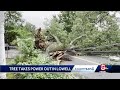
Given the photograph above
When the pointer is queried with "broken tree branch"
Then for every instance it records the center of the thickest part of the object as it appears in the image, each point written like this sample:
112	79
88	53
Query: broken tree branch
56	38
71	43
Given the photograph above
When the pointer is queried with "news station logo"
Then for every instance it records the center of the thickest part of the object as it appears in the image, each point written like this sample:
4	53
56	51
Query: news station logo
103	67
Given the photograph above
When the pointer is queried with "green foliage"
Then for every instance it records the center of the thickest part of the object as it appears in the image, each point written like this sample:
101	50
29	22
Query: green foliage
12	20
40	60
57	29
20	32
14	27
30	27
67	18
26	46
30	56
100	28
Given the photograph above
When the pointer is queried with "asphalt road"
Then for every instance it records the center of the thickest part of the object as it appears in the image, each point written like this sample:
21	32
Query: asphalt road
12	53
93	60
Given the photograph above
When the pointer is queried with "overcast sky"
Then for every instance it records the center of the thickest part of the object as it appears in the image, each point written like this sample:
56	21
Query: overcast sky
38	17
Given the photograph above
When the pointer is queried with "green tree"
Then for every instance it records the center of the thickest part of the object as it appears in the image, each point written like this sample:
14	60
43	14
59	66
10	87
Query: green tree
12	20
67	17
30	27
99	28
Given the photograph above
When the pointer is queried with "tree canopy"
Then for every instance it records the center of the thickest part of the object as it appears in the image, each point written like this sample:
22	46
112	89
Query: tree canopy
99	28
15	26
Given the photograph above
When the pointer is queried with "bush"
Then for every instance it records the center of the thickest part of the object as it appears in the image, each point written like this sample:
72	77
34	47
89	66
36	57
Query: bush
40	60
26	47
30	56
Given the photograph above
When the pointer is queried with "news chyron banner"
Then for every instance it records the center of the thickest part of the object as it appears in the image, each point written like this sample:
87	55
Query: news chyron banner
60	68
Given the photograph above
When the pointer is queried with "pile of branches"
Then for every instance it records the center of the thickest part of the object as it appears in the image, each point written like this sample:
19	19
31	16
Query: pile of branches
63	55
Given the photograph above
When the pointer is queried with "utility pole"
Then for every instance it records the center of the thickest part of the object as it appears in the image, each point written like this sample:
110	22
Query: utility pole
2	44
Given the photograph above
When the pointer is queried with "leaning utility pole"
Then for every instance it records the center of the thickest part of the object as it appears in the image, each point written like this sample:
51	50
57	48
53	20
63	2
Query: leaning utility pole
2	44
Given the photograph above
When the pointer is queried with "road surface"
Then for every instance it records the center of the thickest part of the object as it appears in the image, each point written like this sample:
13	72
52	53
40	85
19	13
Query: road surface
93	60
12	53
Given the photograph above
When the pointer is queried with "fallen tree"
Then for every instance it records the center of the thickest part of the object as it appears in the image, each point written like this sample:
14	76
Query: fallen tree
59	52
56	50
98	47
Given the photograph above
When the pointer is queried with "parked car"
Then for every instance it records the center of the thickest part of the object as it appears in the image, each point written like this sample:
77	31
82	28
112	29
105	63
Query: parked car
7	47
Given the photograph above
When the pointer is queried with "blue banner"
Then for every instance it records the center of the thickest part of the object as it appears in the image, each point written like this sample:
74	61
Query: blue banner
108	68
60	68
36	68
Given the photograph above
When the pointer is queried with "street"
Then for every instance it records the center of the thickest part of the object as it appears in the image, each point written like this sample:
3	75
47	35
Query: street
12	53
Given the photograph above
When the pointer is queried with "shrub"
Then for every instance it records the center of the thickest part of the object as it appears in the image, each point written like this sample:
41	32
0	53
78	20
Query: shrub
40	60
30	56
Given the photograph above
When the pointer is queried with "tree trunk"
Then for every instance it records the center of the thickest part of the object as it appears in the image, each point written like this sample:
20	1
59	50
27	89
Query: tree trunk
2	44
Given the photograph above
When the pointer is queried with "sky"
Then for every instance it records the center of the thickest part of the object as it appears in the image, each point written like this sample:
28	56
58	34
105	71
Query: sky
37	18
